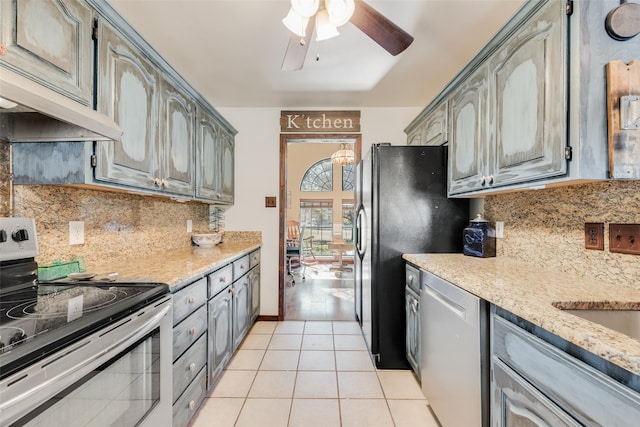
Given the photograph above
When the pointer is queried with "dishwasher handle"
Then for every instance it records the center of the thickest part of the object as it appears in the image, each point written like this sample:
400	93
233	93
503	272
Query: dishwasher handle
457	309
463	304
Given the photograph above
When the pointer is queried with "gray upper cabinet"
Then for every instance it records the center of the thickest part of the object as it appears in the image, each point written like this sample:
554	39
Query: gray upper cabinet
507	119
174	143
177	138
158	120
432	129
468	132
530	110
530	101
215	148
128	93
49	41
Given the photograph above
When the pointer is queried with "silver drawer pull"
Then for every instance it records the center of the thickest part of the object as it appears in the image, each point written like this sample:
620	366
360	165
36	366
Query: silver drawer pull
192	367
192	331
192	405
191	300
223	279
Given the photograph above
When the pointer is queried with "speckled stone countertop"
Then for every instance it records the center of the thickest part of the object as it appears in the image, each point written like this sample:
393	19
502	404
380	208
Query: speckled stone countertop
534	295
176	267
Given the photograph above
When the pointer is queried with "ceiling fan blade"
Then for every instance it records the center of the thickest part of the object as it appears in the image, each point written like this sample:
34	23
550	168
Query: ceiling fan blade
381	30
297	49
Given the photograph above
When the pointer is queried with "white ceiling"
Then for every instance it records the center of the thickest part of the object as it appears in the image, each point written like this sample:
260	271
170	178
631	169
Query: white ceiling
231	51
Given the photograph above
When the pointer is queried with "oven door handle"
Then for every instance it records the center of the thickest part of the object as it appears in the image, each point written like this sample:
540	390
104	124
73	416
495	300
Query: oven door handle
55	373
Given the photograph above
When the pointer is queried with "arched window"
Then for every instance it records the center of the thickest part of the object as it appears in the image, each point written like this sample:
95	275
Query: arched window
319	177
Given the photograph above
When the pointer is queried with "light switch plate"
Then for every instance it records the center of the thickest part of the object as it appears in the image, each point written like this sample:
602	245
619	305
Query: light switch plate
269	202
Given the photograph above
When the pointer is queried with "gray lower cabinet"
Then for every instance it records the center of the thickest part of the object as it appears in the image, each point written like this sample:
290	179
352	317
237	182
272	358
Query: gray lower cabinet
189	350
535	383
241	314
211	317
220	333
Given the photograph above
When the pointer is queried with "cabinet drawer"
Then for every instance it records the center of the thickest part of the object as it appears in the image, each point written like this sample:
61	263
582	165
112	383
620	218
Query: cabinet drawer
412	278
188	365
187	405
188	299
220	279
579	389
187	332
255	258
240	267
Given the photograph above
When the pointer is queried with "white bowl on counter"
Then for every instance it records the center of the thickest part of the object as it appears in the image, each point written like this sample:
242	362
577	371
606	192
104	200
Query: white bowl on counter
206	240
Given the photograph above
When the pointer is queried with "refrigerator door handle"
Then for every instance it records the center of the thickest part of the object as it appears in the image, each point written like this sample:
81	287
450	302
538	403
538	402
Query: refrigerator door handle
361	240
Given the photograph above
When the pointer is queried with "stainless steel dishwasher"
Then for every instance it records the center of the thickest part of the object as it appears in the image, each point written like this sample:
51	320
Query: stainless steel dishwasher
455	350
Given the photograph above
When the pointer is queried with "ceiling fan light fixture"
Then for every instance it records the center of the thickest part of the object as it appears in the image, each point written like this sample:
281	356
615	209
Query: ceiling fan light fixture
305	8
340	11
296	23
324	28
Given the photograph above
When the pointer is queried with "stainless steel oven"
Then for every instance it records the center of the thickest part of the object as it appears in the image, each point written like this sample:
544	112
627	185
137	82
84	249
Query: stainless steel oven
77	353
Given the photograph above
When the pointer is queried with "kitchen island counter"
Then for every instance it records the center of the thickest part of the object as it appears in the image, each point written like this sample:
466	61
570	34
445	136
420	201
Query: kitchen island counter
176	267
534	295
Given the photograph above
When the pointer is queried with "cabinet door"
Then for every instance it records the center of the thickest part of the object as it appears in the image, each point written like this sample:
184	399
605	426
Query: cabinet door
177	138
227	160
209	147
468	134
220	333
254	280
435	130
49	41
241	313
412	341
518	404
128	91
529	85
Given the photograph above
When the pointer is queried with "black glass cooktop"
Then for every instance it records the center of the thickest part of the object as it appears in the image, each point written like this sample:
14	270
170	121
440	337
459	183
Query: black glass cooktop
38	319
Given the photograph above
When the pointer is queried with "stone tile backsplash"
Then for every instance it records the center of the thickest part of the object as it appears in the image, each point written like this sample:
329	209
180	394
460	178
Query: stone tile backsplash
546	227
115	224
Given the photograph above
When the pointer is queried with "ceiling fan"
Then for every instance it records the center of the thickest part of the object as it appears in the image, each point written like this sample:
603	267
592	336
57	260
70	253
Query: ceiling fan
307	17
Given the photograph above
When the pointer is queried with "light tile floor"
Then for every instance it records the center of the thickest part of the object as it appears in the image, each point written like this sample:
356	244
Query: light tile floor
311	373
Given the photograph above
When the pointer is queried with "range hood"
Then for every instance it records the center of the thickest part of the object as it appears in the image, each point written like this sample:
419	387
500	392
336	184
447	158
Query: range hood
43	115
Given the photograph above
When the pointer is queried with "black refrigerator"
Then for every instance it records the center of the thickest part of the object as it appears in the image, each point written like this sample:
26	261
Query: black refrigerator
401	207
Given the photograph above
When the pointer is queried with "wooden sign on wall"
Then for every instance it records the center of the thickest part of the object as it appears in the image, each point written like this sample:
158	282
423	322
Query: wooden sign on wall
319	121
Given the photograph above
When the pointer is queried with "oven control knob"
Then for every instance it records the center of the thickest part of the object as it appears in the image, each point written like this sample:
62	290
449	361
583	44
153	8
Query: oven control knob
20	235
3	236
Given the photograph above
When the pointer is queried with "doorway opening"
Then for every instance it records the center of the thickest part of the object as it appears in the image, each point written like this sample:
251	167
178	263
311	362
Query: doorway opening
315	194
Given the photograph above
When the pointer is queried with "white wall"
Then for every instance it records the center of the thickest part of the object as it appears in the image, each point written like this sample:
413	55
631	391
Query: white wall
257	175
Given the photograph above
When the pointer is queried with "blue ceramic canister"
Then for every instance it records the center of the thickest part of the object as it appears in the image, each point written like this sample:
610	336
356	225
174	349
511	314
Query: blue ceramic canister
479	238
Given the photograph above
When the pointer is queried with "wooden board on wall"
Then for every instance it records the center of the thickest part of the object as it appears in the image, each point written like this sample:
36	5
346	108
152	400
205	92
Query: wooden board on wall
319	121
623	80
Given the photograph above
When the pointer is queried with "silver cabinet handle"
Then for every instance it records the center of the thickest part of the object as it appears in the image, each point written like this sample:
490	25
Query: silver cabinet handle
191	300
192	405
192	367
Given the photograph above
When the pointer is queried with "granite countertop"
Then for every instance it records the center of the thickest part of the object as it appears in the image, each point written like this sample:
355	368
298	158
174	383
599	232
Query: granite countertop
534	295
176	267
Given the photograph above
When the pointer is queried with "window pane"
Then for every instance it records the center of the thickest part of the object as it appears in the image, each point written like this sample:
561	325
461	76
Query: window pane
348	212
316	216
348	176
319	177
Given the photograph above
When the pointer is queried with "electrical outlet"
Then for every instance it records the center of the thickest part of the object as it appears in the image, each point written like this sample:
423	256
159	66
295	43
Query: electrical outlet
76	232
499	229
594	236
189	226
624	238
